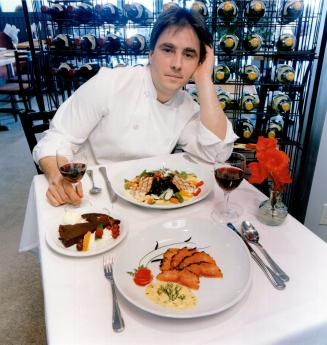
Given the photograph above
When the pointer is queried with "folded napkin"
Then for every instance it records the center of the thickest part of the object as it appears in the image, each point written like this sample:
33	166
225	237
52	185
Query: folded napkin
12	32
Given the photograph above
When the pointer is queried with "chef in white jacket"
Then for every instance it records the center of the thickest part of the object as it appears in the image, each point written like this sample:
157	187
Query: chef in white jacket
134	112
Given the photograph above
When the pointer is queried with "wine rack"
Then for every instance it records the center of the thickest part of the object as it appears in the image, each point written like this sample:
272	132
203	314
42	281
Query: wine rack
258	45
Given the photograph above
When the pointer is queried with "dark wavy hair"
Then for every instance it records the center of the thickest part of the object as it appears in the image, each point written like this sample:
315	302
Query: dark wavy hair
182	17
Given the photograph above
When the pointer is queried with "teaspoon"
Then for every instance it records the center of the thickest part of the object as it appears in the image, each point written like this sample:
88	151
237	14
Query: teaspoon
252	235
94	189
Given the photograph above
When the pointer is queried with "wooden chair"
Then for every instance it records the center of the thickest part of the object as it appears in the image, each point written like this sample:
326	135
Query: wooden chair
35	123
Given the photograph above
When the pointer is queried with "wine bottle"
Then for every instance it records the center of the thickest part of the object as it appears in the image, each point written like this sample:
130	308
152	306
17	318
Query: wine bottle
62	42
201	7
227	11
88	70
291	10
286	42
221	73
255	10
66	71
82	13
250	74
88	43
138	13
224	98
252	42
245	127
228	43
248	102
281	103
111	14
136	43
284	74
275	127
111	43
57	12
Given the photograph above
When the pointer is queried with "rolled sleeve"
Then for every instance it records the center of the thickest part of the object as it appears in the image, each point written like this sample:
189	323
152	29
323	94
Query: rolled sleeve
200	141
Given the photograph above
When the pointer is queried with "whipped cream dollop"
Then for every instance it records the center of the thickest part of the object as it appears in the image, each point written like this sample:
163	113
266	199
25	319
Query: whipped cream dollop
71	217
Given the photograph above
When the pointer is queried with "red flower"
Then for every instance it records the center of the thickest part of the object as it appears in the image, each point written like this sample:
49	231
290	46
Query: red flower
265	144
258	173
271	163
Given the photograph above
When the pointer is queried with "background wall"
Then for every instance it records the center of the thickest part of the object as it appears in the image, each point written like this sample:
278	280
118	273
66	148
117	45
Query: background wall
318	194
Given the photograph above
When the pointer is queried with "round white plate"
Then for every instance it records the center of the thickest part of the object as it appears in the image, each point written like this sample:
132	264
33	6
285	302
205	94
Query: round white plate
214	294
136	167
101	246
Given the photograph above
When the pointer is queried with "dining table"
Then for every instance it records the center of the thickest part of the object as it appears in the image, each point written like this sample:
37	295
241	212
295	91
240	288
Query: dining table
78	299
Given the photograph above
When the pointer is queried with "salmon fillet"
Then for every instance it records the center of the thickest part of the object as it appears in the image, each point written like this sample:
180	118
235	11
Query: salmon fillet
194	258
180	255
169	276
183	277
166	261
205	269
189	279
186	265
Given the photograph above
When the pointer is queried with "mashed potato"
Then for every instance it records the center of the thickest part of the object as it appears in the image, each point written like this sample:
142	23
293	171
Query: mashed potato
171	295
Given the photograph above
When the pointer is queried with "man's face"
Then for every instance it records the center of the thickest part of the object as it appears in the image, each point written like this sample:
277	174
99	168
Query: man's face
173	60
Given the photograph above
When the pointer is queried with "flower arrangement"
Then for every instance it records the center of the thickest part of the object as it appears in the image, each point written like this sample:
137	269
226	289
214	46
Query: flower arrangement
272	163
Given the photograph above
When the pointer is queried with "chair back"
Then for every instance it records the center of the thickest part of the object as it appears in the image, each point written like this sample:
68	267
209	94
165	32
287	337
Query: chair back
24	67
25	77
35	123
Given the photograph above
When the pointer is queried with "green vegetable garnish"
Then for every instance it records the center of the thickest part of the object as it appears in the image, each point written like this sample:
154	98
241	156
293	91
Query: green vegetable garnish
172	291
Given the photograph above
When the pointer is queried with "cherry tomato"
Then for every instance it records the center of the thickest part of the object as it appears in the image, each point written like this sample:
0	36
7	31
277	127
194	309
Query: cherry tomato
197	192
98	233
199	184
143	276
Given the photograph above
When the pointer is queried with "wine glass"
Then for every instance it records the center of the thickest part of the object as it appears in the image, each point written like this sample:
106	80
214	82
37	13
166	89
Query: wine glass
72	165
228	174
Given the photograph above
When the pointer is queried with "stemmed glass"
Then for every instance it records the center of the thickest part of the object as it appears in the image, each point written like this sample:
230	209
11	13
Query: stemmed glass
71	165
228	174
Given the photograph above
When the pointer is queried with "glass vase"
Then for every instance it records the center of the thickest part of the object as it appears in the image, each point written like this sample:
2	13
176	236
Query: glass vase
272	211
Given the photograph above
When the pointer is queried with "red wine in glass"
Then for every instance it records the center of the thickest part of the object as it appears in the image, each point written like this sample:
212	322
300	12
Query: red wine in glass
73	172
229	175
71	165
229	178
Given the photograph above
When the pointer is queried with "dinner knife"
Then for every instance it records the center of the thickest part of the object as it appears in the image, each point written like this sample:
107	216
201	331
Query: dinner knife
271	275
112	194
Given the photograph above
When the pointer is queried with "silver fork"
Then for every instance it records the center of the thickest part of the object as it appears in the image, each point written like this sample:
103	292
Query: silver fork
118	324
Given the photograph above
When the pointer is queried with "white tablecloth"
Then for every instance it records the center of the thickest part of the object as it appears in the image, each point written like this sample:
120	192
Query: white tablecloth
77	297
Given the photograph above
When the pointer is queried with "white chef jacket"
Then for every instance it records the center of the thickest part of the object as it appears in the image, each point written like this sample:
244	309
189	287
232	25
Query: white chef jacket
117	116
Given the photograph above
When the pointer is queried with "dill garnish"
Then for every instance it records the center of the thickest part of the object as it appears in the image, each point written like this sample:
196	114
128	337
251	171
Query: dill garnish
172	291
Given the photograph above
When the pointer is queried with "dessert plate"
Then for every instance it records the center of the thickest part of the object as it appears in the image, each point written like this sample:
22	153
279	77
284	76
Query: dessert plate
96	246
214	294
